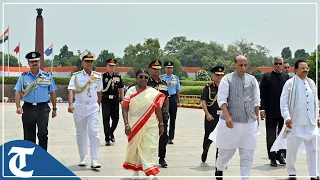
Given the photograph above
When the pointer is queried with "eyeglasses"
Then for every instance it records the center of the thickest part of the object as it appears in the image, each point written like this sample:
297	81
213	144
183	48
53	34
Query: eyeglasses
286	67
87	61
141	77
277	63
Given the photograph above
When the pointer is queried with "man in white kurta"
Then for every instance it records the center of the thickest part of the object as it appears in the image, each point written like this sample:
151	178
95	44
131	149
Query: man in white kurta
239	100
298	105
86	86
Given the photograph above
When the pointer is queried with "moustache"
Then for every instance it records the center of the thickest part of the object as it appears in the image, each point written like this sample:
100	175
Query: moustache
35	65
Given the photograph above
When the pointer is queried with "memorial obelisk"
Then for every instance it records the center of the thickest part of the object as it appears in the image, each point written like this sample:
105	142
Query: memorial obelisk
39	37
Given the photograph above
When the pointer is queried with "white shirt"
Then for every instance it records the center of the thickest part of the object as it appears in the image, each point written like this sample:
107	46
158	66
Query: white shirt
90	92
223	92
304	118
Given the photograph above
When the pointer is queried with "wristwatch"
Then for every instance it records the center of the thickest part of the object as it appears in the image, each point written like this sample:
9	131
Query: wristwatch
54	109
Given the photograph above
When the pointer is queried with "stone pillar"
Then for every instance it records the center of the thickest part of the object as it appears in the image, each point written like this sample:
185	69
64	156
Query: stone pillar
39	37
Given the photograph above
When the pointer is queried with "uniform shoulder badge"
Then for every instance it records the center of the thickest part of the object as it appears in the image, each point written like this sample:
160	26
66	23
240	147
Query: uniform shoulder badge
24	73
97	72
209	84
75	73
163	81
45	73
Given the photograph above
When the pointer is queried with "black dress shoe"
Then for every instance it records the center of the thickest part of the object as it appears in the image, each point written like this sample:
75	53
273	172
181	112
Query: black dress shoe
317	178
108	143
218	173
112	138
170	141
292	177
273	163
281	160
204	156
163	163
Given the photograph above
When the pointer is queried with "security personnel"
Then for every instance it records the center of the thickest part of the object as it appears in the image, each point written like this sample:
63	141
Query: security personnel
112	85
156	82
34	88
211	108
86	87
174	88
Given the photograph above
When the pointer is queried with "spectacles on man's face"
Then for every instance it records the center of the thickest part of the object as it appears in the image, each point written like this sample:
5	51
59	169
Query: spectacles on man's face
277	64
286	67
88	61
142	76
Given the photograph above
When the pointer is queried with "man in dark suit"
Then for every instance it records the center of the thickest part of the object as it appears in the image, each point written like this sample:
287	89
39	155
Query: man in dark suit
270	91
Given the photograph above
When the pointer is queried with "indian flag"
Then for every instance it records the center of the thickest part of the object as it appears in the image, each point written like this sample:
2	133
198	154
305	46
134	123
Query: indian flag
4	36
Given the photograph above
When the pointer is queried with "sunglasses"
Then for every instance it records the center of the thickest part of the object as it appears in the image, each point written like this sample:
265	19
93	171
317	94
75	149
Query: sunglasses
277	63
141	77
87	61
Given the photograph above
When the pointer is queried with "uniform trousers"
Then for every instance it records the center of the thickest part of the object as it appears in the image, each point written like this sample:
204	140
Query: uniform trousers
173	107
36	115
163	140
86	115
110	108
293	143
209	126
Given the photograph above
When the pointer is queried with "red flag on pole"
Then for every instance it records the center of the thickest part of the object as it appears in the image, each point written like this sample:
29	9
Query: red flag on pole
16	50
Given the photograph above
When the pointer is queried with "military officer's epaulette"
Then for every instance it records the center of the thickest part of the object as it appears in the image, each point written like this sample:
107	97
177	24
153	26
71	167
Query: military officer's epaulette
24	73
75	73
95	72
45	73
208	84
162	80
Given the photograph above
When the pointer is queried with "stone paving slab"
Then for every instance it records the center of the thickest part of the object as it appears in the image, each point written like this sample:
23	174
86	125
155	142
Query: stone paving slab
183	157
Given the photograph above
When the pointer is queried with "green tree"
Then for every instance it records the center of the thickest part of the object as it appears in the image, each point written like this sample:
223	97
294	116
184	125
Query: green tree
103	56
175	45
312	71
301	54
13	61
286	53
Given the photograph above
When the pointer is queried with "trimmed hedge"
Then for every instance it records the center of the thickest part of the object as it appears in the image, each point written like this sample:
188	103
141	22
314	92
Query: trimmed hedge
127	81
188	87
191	90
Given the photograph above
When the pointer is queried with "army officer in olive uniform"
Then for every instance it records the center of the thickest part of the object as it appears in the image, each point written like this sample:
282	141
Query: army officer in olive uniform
112	87
156	82
211	108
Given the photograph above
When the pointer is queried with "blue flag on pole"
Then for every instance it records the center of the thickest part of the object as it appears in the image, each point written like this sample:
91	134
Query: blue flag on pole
48	50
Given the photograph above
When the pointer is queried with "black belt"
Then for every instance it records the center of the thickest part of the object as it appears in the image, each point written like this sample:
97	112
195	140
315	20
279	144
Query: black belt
35	104
172	95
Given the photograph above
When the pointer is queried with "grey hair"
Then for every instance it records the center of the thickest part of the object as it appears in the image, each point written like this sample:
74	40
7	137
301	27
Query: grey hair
277	58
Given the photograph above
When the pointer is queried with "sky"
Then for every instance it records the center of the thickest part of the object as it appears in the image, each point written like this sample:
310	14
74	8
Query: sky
114	27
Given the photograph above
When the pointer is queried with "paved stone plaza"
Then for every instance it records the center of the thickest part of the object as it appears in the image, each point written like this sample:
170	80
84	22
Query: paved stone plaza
183	157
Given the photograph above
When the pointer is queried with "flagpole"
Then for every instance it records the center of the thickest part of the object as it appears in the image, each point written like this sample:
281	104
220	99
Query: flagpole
8	50
19	57
52	59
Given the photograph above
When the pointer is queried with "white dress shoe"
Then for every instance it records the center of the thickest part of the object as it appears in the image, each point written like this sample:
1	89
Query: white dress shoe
82	162
95	164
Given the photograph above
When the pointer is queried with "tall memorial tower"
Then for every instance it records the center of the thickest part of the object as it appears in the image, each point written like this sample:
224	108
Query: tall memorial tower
39	37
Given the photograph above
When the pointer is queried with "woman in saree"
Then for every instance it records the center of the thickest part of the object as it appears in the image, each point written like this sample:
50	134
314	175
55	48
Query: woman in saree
141	111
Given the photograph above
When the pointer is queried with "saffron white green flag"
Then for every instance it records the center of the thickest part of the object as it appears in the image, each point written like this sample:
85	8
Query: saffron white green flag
4	36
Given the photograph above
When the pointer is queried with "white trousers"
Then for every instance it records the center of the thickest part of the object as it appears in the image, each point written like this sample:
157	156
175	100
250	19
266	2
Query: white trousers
293	143
246	160
86	118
